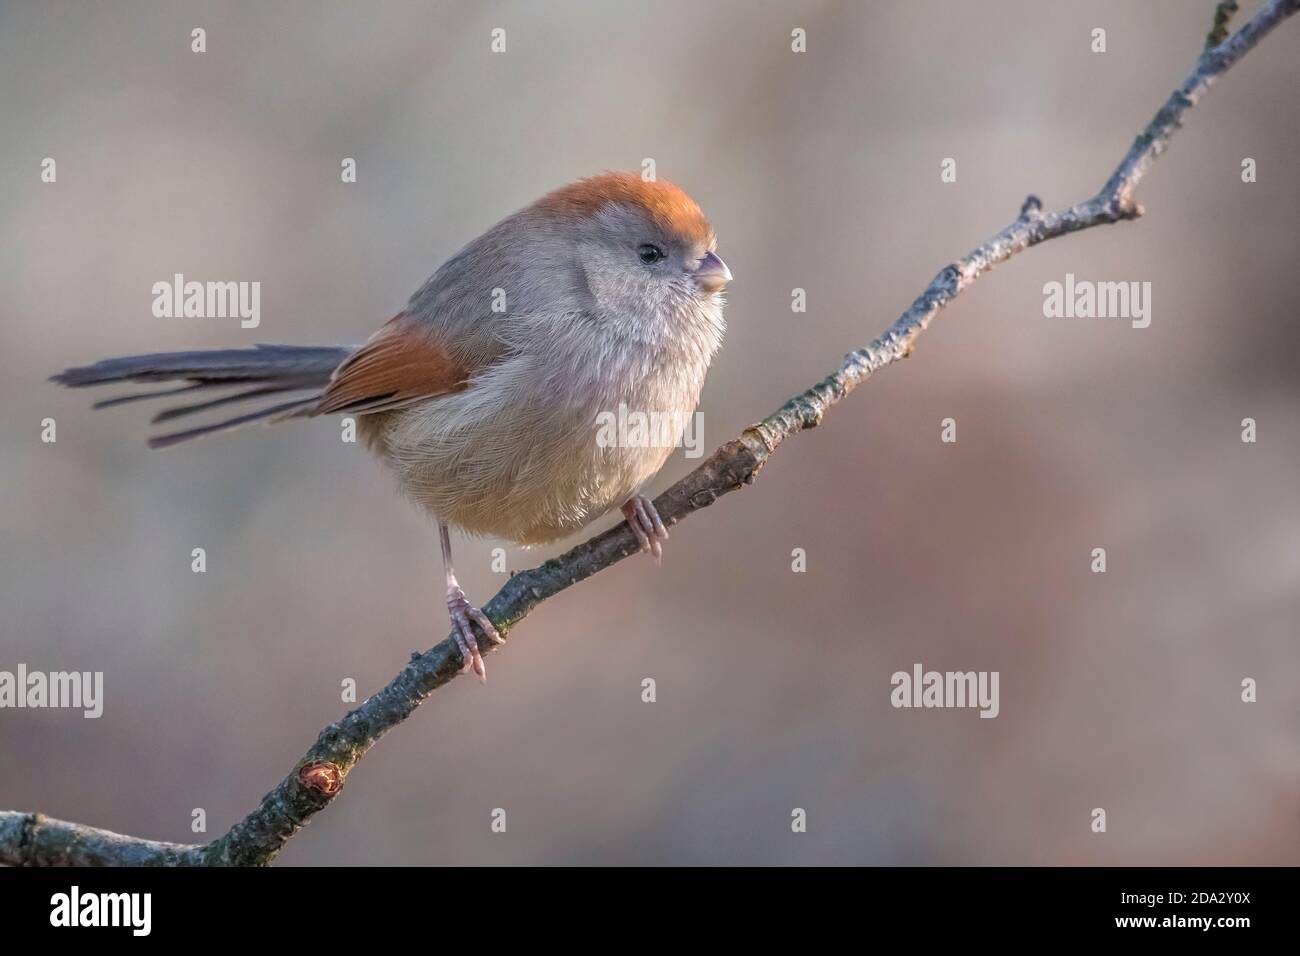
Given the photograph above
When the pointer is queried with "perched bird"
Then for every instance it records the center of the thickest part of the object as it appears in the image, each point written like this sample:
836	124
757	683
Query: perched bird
483	394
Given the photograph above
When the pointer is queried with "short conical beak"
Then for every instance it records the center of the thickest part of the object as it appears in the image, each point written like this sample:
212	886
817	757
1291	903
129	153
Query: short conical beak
712	273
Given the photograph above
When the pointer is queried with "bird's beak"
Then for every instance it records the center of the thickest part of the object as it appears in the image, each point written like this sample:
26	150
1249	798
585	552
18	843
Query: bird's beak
712	273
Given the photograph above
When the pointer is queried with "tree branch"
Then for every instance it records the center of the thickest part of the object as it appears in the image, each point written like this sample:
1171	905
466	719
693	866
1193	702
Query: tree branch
32	839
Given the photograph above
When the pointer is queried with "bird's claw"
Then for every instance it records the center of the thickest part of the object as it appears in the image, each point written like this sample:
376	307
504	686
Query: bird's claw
646	524
462	613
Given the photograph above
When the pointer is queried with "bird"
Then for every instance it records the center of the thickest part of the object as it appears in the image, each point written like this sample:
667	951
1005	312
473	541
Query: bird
483	393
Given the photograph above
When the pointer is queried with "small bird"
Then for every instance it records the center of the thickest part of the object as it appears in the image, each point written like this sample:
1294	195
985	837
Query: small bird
484	393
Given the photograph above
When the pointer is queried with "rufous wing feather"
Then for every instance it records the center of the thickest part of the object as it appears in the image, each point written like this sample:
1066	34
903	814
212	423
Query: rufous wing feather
399	365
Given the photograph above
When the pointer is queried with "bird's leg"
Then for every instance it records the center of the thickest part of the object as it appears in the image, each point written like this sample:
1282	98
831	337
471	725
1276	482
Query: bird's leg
462	612
646	524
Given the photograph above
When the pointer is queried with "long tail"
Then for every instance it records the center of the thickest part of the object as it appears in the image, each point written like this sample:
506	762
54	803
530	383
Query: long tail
271	370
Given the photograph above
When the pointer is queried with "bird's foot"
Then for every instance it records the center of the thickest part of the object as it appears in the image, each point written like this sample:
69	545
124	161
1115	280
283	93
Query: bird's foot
462	613
646	524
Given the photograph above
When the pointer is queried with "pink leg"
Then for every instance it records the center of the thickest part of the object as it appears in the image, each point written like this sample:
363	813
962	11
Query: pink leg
462	613
646	524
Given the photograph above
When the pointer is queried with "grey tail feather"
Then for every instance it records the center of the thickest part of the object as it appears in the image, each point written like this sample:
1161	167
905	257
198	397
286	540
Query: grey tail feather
262	363
273	369
276	413
179	411
137	396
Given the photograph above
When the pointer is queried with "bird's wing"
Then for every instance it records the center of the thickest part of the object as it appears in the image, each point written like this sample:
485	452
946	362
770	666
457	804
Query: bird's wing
400	364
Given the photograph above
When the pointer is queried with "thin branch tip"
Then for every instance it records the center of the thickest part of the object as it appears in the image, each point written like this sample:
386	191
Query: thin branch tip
1032	208
1219	31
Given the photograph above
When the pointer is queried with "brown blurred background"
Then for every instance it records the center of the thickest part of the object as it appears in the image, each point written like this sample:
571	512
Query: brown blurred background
819	170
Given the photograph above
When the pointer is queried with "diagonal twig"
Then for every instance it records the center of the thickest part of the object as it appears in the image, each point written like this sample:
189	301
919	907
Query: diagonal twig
33	839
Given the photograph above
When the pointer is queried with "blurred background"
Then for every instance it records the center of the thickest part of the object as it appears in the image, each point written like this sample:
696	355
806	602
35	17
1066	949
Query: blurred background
819	170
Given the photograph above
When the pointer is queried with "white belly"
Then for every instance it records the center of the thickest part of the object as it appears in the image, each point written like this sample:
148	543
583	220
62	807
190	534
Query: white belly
523	454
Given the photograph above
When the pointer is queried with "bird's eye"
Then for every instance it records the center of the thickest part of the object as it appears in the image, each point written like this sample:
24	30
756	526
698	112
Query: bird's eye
649	253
